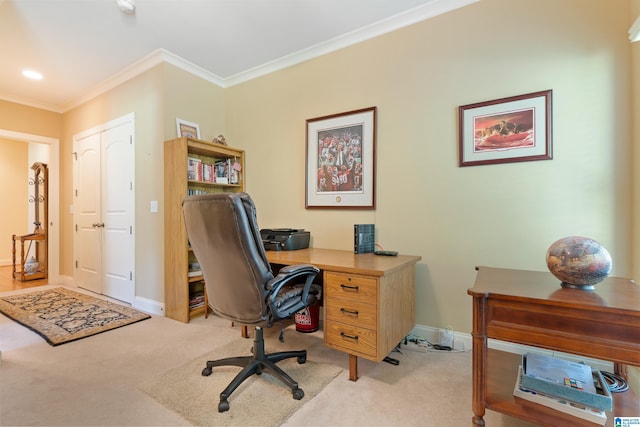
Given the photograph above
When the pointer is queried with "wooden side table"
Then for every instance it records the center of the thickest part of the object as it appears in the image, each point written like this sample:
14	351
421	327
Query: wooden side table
40	239
530	308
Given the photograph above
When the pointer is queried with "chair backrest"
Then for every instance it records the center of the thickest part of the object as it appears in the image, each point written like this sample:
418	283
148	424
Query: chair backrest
224	235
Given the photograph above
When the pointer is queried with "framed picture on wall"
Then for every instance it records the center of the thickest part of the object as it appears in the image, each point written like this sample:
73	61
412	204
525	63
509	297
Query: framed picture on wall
514	129
341	160
190	129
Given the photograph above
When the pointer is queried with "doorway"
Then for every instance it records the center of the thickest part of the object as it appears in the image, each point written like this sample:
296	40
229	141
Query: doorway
104	217
54	195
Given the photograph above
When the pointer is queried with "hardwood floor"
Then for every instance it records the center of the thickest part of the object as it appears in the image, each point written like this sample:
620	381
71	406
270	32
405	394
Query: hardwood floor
8	283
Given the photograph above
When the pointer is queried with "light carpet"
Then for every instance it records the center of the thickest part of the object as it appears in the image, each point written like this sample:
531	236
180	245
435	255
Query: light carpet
259	400
60	315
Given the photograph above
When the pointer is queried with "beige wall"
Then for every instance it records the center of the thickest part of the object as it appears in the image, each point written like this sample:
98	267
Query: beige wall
29	120
634	372
14	192
15	169
454	218
457	218
156	97
634	124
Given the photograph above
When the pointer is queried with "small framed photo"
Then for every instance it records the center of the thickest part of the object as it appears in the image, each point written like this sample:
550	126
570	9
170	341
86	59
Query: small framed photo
341	160
190	129
514	129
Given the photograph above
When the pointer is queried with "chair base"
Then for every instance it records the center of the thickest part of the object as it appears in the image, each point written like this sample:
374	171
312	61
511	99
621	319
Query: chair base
257	364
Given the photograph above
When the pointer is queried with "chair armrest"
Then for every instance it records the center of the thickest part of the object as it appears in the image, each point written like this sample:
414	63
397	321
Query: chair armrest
289	277
296	269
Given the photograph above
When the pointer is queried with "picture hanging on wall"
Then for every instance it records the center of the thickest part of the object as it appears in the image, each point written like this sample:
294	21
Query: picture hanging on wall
514	129
341	160
190	129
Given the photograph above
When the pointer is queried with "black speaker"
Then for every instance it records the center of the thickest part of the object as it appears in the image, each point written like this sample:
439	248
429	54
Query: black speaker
364	238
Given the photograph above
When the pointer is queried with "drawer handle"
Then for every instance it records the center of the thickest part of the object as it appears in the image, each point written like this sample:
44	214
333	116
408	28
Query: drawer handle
351	337
345	311
349	287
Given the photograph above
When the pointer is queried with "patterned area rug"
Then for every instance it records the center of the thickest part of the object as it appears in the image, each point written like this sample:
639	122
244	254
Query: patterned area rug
60	315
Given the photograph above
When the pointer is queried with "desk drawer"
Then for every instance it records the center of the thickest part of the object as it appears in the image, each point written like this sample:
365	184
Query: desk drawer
350	339
355	288
353	313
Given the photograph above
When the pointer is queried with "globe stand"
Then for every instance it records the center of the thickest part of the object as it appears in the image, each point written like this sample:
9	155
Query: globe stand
579	287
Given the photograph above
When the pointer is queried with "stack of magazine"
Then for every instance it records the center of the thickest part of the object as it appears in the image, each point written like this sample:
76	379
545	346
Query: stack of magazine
570	387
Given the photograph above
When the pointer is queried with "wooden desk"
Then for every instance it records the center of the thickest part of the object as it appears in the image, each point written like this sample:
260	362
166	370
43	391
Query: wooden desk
368	300
530	308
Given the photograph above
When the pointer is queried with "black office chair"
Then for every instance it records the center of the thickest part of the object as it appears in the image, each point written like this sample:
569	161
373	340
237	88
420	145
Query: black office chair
241	287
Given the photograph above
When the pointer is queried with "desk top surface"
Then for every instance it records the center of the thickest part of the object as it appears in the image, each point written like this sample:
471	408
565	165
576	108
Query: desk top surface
343	261
611	293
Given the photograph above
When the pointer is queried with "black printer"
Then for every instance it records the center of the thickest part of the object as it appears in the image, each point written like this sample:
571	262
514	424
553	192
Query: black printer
284	239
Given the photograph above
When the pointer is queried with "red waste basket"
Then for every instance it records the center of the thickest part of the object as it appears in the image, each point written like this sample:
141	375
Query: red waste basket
308	319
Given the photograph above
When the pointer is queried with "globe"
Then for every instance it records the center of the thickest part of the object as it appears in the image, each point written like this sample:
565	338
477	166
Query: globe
579	262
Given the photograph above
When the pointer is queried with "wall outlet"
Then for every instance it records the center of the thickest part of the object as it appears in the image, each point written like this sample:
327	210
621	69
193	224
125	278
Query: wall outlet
446	338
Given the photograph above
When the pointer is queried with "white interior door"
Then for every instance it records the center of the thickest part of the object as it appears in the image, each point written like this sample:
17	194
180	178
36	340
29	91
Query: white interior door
104	243
118	257
87	240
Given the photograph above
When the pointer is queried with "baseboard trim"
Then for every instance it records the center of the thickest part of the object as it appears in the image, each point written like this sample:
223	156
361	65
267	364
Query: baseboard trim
463	342
148	306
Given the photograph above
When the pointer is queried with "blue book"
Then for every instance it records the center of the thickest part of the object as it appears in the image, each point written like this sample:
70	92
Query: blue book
586	413
572	381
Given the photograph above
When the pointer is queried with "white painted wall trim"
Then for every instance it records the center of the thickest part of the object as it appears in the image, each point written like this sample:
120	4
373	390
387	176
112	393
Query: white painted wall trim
463	342
149	306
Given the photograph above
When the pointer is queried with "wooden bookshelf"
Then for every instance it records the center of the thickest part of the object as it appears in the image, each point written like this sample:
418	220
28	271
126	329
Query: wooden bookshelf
178	286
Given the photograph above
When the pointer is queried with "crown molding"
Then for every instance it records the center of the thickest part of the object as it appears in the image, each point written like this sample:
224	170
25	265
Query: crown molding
396	22
159	56
155	58
30	103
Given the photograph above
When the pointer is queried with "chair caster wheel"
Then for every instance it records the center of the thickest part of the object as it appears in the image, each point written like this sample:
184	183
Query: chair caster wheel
302	359
223	406
206	372
297	394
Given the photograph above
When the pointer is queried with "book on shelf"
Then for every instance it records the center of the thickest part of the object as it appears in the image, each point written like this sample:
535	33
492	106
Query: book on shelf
196	304
222	171
196	299
194	169
195	273
573	381
581	411
207	173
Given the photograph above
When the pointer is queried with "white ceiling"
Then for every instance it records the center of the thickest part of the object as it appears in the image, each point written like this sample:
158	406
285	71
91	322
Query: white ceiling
83	47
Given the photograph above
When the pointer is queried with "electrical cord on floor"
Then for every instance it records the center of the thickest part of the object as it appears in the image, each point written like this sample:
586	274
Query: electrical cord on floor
422	342
615	382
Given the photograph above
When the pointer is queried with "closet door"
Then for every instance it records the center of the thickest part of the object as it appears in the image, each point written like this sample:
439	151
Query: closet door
104	244
118	256
87	243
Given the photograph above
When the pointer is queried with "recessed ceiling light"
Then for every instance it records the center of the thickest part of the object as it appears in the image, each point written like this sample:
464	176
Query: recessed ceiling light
126	6
32	74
